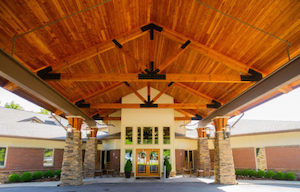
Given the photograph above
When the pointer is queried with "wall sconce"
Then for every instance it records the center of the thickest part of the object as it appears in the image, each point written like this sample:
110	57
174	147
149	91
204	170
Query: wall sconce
88	133
226	131
70	131
208	132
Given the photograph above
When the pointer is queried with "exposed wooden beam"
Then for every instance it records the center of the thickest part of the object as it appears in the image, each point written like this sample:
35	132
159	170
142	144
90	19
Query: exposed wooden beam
95	50
161	92
100	91
10	86
209	52
170	59
18	74
195	92
187	114
102	77
161	106
182	118
135	92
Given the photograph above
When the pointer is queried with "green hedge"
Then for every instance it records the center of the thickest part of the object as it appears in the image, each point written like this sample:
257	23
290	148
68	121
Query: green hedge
279	176
49	174
58	173
12	178
26	177
289	176
262	174
37	175
270	174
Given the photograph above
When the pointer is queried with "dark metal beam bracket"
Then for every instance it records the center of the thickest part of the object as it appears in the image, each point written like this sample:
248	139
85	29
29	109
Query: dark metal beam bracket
46	75
81	104
255	76
215	104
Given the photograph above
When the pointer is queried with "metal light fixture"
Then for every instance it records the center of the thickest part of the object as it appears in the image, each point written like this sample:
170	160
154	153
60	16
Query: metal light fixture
69	131
88	133
208	132
226	131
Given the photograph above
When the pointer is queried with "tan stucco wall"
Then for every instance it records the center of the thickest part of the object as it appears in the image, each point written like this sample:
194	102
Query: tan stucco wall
30	143
264	140
147	118
186	144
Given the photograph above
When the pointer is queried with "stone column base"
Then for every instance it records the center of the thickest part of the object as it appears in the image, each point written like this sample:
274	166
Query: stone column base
203	156
90	157
224	166
72	161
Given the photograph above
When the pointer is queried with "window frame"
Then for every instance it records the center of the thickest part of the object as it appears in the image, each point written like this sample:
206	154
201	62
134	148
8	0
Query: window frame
5	158
51	156
164	140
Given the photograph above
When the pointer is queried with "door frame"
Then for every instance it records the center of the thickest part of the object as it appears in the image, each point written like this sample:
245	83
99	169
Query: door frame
147	174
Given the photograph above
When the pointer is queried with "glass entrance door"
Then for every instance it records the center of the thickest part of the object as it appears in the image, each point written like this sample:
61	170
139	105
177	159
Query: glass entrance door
147	163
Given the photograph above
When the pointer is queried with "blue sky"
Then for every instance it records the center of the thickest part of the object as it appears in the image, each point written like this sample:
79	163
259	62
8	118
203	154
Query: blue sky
285	107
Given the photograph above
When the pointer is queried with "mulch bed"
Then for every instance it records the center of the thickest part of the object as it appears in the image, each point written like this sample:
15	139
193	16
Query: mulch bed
45	179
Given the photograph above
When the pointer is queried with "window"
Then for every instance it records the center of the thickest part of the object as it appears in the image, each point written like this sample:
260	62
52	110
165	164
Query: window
48	157
189	159
128	154
139	135
128	137
147	136
167	154
2	156
166	135
156	135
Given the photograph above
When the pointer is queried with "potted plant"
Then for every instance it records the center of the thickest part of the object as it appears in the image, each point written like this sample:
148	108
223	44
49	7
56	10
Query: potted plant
128	169
168	167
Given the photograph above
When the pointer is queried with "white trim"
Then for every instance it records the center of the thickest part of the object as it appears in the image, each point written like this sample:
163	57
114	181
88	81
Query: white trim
5	157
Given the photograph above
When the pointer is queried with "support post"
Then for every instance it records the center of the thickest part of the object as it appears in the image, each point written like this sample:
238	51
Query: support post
90	154
224	168
203	152
72	160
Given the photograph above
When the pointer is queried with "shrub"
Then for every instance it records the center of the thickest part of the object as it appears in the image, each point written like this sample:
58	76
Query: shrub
270	174
26	177
58	173
279	176
245	172
128	166
168	165
37	175
12	178
252	173
289	176
261	174
238	172
49	174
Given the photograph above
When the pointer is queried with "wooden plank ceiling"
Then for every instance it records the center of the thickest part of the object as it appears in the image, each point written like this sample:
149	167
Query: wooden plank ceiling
82	45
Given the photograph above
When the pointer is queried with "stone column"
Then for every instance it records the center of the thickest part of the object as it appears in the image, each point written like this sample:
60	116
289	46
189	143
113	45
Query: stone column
224	167
203	152
90	154
261	159
72	160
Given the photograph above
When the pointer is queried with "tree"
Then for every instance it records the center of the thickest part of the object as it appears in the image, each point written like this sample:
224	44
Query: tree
44	111
12	105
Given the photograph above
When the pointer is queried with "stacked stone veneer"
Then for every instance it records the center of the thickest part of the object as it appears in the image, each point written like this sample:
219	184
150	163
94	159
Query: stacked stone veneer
72	162
223	165
90	157
203	155
261	159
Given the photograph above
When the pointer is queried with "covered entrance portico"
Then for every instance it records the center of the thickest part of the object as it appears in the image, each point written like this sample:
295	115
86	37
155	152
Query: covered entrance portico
132	66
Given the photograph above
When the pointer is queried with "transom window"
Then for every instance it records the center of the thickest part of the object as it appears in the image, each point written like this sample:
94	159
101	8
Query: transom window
147	135
128	139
